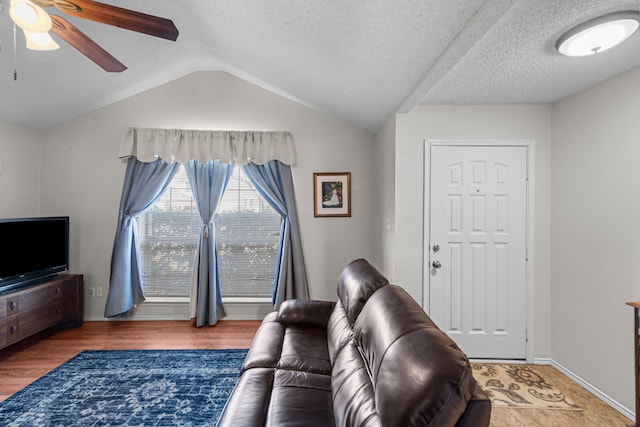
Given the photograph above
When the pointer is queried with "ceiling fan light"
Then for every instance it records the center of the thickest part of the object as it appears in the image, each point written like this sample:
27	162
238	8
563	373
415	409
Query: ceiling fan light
40	41
29	16
599	34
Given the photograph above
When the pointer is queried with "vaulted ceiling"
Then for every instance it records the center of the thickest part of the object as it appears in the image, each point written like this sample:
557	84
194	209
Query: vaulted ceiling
360	60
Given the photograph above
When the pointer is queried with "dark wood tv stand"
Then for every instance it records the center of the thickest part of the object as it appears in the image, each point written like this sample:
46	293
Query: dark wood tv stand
31	309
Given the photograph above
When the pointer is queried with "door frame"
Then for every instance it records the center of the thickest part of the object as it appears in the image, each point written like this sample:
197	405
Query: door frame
530	221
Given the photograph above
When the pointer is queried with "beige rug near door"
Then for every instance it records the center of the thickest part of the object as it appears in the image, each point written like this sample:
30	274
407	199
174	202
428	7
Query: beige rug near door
519	386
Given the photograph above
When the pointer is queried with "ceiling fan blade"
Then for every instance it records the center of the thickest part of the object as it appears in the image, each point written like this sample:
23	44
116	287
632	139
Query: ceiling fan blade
85	45
116	16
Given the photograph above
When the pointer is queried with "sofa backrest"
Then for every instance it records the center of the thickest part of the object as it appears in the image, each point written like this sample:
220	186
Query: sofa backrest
392	366
357	282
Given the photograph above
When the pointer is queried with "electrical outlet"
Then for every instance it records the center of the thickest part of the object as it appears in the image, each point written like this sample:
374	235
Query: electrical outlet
92	292
99	291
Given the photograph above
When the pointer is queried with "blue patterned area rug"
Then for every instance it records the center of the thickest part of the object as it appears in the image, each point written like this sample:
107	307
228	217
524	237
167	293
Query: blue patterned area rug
129	388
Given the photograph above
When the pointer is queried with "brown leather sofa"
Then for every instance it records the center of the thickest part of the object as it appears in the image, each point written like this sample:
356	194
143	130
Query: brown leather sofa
373	358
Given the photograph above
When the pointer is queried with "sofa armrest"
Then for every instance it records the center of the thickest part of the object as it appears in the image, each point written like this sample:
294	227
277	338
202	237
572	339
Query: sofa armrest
305	311
478	411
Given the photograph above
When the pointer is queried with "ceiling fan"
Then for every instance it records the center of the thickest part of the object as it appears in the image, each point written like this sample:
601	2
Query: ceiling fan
36	24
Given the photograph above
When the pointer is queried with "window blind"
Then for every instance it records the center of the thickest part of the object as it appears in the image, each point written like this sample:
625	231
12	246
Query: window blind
247	238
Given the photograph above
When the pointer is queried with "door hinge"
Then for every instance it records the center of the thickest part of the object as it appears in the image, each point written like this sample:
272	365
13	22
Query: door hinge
526	335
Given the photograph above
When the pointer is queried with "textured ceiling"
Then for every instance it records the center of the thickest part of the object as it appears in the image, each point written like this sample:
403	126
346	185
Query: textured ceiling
515	61
360	60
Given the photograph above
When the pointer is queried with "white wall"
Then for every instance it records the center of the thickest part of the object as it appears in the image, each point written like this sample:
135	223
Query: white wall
384	197
20	169
82	176
595	245
469	123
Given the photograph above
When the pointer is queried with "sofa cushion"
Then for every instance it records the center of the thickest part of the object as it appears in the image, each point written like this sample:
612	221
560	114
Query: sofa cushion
249	403
304	348
267	344
388	315
357	282
353	394
300	399
339	332
305	311
419	375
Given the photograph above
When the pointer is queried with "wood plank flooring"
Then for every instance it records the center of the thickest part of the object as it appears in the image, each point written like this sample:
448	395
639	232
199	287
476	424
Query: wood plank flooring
26	361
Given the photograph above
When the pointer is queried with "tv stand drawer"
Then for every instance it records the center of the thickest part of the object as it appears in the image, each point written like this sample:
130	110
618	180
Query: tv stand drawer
27	311
9	306
40	295
8	332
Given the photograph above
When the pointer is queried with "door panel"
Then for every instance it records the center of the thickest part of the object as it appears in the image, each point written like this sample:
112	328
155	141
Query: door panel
478	217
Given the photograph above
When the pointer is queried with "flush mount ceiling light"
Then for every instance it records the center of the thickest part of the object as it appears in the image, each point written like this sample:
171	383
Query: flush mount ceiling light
599	34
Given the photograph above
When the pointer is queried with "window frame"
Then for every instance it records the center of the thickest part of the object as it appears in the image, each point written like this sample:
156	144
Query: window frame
232	299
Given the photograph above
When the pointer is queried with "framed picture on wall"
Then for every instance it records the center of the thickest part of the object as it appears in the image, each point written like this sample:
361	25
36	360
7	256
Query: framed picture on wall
332	194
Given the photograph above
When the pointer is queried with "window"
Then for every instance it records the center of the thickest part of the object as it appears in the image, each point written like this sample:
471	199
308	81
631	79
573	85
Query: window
247	240
169	233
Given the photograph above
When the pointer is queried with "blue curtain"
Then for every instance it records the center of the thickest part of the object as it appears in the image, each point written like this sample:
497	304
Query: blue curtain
208	182
274	182
144	183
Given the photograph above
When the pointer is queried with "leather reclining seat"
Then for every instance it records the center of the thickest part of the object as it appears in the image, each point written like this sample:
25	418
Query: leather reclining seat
373	358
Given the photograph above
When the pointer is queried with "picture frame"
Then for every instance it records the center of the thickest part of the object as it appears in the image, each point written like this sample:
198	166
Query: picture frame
332	194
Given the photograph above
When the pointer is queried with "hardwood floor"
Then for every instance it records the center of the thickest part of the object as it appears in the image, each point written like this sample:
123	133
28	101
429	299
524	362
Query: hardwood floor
26	361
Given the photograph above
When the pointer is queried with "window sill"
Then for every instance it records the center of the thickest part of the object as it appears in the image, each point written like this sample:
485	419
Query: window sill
226	300
168	300
244	300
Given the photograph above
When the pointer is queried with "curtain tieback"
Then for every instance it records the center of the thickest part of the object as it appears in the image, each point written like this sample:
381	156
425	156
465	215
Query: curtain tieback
206	231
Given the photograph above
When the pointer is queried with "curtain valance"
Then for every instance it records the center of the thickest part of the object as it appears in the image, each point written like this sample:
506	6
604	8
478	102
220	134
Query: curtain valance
233	147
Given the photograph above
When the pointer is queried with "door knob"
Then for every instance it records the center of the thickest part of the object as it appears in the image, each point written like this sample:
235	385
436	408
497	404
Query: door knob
436	264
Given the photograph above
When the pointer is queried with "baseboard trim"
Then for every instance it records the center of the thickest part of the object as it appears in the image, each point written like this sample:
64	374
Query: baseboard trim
591	389
164	317
134	318
595	391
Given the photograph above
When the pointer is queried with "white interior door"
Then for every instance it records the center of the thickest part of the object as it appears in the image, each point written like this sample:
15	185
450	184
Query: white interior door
477	250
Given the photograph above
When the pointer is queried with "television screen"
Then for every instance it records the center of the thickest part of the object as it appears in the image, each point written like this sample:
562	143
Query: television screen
31	248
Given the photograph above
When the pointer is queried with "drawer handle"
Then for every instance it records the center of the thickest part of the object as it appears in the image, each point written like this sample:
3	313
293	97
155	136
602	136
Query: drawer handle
13	305
13	330
57	291
58	310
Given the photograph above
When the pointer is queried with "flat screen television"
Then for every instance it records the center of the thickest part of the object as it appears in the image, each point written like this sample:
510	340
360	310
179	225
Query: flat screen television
32	249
